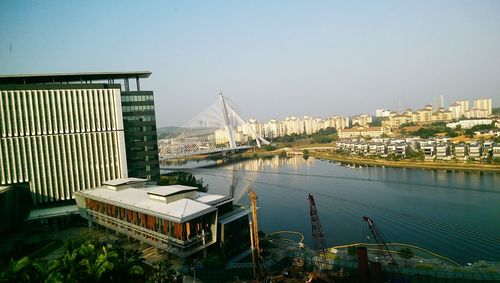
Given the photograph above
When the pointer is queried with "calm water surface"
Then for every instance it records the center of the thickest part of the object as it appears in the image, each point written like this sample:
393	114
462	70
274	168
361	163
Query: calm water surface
456	214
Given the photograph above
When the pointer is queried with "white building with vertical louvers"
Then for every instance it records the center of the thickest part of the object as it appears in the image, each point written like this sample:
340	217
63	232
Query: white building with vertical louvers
60	138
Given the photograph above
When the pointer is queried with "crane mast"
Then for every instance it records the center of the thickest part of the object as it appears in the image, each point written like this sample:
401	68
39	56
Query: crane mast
382	245
318	235
254	232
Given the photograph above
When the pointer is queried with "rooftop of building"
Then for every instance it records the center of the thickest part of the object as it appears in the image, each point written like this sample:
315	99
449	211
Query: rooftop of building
361	129
70	77
165	191
124	181
139	199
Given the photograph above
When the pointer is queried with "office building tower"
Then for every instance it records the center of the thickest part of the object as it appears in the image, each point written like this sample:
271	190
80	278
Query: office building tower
62	133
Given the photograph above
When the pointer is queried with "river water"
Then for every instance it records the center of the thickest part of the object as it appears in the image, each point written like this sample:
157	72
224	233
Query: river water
455	214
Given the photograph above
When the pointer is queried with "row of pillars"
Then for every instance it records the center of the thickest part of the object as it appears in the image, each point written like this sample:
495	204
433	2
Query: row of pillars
137	83
143	244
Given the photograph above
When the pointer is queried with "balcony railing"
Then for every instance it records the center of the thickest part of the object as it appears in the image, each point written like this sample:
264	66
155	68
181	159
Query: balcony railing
170	244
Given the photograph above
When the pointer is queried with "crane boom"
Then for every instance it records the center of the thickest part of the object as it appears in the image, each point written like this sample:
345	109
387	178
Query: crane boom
382	245
318	235
254	231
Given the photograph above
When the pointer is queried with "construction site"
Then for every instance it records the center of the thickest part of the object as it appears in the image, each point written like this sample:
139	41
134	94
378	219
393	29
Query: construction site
281	256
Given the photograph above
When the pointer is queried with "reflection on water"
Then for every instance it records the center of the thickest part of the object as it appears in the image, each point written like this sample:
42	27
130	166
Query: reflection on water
274	162
452	213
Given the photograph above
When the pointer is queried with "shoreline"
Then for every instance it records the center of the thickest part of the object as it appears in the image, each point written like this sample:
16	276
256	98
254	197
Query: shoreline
380	162
413	164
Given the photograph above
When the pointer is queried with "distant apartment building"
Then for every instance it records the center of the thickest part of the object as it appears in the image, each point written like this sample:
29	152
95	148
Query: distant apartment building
221	138
459	109
362	120
484	104
293	125
397	120
337	122
496	151
461	151
356	131
443	151
312	125
62	133
252	129
429	149
441	115
477	113
424	115
273	129
467	124
475	150
382	113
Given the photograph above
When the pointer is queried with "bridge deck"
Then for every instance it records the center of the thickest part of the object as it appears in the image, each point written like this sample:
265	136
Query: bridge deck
204	152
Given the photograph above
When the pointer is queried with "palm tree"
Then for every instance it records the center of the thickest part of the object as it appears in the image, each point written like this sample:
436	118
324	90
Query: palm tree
162	272
18	271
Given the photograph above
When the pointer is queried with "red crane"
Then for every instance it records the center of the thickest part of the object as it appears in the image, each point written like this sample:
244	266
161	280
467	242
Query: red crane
382	245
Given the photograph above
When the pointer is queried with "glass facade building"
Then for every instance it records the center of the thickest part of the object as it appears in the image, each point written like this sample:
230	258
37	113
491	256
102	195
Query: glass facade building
140	135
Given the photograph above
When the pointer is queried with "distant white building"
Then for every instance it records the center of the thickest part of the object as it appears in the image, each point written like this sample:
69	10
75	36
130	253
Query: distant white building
382	113
484	104
362	120
467	124
273	129
356	131
337	122
293	125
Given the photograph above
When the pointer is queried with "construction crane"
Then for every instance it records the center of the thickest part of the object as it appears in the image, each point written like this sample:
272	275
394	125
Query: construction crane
382	245
318	235
254	233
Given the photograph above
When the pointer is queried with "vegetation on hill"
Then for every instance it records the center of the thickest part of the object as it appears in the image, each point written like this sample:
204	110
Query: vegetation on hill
496	111
322	136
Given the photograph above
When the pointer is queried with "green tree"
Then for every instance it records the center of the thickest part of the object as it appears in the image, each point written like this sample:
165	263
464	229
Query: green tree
183	178
87	262
317	138
282	153
351	250
162	272
406	253
269	147
18	271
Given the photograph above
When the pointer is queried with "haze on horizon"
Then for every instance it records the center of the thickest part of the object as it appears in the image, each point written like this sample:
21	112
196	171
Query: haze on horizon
272	58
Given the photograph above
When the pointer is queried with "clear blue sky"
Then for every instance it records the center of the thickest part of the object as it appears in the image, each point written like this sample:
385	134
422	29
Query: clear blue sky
272	58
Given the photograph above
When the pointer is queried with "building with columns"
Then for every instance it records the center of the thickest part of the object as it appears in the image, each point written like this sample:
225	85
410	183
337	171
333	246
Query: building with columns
63	133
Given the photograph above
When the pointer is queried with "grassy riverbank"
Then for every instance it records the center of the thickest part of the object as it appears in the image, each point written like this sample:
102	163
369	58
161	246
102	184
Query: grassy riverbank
374	161
439	165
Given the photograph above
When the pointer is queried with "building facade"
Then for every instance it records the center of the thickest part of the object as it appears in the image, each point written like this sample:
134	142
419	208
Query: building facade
140	134
175	219
484	104
62	133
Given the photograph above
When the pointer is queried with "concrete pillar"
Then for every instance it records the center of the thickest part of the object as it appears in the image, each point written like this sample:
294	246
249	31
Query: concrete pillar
90	224
143	245
126	83
157	251
138	83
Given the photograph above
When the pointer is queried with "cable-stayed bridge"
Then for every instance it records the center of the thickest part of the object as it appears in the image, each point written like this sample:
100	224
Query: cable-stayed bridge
219	129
